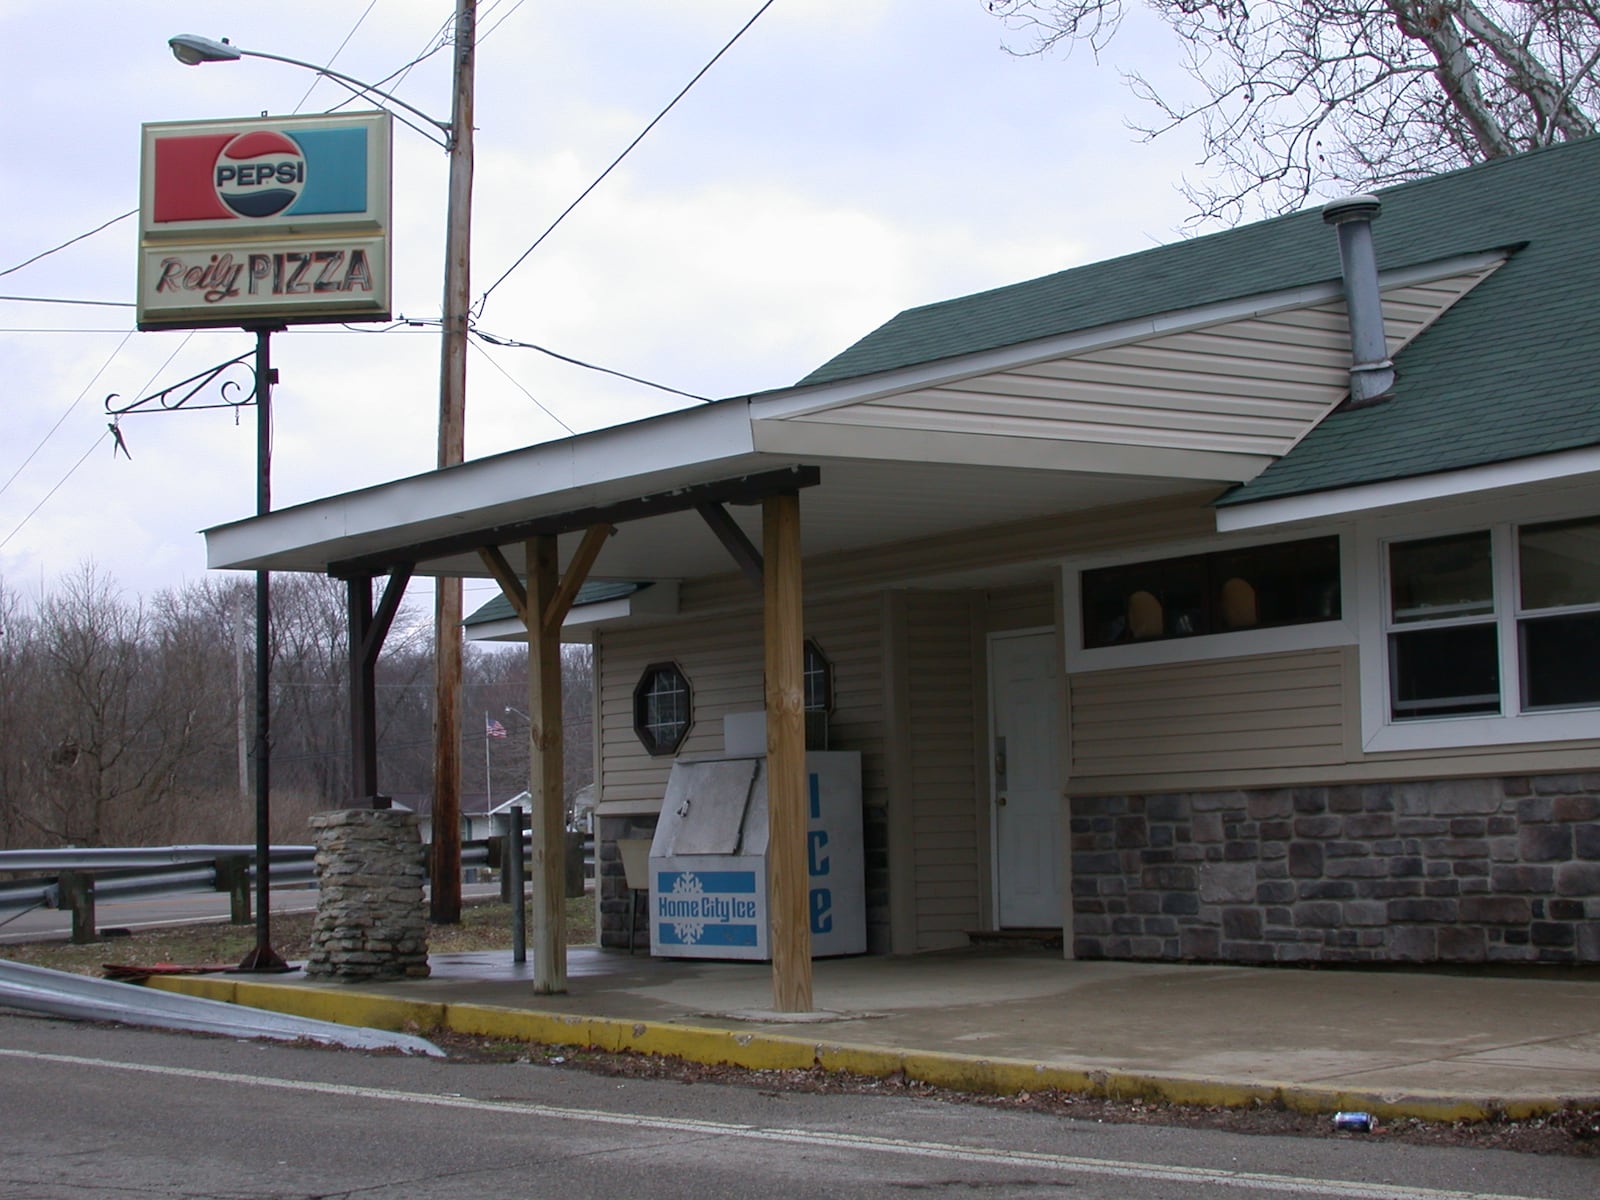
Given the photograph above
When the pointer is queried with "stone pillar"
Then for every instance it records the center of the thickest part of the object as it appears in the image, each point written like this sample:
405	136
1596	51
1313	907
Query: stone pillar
371	923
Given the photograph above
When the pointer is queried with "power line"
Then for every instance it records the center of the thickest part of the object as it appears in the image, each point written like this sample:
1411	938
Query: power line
513	344
58	423
436	42
482	37
484	299
60	300
68	242
336	53
55	489
489	358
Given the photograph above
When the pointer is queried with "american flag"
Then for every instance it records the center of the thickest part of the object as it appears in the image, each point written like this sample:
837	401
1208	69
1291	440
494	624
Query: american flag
494	728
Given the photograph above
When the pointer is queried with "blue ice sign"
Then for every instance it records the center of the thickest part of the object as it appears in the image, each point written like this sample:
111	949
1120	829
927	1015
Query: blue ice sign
707	908
818	862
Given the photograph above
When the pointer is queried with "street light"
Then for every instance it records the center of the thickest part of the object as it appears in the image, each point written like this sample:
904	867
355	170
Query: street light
192	50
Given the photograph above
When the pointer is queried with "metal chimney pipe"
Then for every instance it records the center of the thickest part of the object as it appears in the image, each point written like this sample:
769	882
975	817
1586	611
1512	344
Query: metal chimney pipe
1372	373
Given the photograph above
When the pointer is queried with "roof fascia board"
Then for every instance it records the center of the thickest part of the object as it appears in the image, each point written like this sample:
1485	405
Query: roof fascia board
747	488
1421	489
801	401
575	472
820	440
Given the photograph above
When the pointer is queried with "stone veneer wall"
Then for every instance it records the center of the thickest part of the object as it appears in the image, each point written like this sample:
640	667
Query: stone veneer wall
1464	871
611	883
370	918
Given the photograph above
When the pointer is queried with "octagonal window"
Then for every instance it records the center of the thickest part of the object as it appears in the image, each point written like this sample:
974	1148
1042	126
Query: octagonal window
662	711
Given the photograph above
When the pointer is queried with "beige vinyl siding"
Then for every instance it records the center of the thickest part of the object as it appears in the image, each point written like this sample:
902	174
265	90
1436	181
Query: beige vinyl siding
1031	607
1206	721
1278	720
722	660
947	837
1249	386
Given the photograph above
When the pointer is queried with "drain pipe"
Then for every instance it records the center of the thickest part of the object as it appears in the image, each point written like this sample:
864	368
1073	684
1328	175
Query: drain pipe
1372	373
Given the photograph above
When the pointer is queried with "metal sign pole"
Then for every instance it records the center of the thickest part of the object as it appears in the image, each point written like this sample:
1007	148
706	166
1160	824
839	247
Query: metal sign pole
263	957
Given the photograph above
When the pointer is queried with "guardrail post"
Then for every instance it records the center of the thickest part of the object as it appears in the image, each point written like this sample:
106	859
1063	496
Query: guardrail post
513	875
77	893
233	877
495	850
574	849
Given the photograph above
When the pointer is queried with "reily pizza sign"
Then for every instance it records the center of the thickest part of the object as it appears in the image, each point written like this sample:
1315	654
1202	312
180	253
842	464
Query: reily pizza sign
277	221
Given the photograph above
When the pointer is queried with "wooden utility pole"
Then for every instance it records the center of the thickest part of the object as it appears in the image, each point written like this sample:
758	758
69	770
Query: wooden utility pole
788	885
445	866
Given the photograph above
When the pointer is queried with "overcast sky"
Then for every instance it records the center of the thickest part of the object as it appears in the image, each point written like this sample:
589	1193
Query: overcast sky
845	160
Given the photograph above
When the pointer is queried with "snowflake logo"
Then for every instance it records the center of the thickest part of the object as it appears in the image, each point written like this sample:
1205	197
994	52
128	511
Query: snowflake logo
688	930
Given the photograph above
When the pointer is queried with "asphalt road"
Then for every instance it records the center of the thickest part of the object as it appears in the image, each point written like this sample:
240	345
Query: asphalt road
93	1112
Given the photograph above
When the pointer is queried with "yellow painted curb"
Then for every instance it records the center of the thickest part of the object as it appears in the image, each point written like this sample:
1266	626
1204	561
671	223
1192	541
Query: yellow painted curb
777	1052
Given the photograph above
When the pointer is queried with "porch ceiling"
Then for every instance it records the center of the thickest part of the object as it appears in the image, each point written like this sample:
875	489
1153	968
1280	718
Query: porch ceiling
858	503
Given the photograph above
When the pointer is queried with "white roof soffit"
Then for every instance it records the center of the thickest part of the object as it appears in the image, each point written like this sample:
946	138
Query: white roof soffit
607	466
1571	467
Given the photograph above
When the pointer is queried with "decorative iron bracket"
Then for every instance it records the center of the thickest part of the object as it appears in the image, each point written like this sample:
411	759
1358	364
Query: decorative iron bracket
235	391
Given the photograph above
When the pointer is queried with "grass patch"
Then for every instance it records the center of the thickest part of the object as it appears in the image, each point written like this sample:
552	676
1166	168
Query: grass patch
485	925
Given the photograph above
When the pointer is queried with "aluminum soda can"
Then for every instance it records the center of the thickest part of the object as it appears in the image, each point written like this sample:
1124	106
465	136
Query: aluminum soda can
1353	1122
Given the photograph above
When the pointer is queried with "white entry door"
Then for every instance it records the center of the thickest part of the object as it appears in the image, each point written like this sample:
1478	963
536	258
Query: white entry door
1025	766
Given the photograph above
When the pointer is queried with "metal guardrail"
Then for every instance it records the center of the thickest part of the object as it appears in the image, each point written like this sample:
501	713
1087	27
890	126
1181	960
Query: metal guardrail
118	857
84	875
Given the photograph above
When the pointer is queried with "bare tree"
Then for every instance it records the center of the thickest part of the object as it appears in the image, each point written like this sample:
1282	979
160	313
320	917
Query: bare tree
19	663
1297	96
120	708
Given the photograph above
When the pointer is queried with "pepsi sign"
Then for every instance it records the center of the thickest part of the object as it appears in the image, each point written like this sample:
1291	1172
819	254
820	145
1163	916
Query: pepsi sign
278	219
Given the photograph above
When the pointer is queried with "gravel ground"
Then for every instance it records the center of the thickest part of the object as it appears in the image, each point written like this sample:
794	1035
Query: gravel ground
1572	1132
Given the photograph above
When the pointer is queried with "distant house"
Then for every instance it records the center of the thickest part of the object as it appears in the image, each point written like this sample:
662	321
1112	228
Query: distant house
477	819
1146	628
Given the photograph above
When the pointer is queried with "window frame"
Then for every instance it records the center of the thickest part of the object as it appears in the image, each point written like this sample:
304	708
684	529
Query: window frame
643	690
1235	643
1514	722
813	652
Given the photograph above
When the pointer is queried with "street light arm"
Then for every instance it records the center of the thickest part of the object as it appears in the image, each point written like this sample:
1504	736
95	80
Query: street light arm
192	50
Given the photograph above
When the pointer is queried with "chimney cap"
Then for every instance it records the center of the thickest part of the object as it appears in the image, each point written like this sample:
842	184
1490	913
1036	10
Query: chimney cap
1362	207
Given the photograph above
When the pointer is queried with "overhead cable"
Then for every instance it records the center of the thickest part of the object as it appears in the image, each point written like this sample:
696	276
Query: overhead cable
68	242
336	53
67	413
55	489
484	299
513	344
61	300
489	358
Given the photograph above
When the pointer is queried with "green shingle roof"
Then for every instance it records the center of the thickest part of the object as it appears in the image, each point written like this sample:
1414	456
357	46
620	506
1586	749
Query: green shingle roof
499	609
1508	372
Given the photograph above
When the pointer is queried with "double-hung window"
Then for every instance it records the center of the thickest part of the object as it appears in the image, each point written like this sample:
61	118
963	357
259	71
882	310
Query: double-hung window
1558	613
1502	622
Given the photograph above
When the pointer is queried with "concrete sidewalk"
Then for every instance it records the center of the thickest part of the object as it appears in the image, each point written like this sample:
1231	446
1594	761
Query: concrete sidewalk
1434	1045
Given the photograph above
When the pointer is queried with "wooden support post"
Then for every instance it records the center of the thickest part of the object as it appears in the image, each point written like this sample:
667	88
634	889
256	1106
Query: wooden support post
788	885
363	693
544	773
368	629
